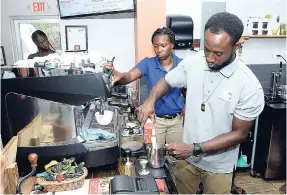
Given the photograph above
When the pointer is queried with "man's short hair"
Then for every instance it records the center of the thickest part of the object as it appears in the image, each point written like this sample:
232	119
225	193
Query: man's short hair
226	22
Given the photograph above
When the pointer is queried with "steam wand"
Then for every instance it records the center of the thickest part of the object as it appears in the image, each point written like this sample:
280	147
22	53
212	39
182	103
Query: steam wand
108	73
112	68
280	56
33	158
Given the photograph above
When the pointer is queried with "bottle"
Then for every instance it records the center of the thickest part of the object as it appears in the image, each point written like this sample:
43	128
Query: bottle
283	29
148	131
153	138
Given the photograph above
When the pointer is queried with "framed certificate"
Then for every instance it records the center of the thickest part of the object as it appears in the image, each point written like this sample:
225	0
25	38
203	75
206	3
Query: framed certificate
76	38
3	57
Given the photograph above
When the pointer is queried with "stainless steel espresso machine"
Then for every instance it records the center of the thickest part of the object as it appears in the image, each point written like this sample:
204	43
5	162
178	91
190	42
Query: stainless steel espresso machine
64	116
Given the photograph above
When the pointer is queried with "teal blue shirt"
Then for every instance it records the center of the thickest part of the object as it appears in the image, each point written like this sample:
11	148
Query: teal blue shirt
171	103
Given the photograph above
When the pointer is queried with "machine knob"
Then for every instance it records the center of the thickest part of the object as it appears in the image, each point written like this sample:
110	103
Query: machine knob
119	104
33	158
133	108
124	105
124	96
119	95
114	104
128	152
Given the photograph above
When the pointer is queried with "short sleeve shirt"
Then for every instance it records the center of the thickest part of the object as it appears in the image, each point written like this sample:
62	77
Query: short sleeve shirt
234	91
172	102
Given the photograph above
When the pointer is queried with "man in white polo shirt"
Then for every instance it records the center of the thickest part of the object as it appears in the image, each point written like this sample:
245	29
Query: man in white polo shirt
223	99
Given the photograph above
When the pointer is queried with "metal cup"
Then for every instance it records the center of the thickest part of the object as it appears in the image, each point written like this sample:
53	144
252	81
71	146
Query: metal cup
157	155
283	91
143	171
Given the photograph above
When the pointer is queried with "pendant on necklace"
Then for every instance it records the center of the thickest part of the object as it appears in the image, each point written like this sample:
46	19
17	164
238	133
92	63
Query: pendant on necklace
202	107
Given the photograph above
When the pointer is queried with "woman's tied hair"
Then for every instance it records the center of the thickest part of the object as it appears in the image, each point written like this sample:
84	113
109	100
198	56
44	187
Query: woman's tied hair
164	31
38	33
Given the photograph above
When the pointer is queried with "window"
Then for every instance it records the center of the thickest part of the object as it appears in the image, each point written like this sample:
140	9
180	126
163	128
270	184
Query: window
25	28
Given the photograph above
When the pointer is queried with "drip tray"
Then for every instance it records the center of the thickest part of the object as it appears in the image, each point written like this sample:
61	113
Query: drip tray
94	144
91	123
158	173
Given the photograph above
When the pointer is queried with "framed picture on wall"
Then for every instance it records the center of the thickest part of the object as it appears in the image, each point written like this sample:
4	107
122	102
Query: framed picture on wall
3	57
76	38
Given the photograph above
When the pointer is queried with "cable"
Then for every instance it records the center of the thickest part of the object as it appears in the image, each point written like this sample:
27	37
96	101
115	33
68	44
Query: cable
278	55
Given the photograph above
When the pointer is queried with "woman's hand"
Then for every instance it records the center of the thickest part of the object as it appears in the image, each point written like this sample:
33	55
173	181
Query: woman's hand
107	66
116	74
145	111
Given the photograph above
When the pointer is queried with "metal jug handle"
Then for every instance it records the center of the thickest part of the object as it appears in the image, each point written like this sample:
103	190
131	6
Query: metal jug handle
165	149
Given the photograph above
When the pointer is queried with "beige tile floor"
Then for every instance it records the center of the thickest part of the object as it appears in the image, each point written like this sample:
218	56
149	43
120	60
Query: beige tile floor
257	185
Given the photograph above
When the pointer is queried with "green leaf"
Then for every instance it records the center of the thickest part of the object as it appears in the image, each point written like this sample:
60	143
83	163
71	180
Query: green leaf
71	171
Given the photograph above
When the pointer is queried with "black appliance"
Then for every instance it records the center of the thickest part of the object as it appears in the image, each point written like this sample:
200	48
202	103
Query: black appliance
182	26
75	90
122	184
270	151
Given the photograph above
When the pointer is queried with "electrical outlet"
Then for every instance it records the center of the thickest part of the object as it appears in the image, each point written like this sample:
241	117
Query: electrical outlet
275	55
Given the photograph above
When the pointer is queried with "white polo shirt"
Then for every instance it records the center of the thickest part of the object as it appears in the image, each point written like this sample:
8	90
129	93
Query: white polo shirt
232	91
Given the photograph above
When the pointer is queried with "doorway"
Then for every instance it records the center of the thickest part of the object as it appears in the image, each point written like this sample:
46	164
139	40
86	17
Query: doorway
24	46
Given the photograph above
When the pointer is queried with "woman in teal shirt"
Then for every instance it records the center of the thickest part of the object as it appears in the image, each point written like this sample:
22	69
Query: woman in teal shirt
168	109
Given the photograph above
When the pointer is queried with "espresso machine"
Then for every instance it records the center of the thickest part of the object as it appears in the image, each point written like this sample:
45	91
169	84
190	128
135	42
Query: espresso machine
83	120
277	88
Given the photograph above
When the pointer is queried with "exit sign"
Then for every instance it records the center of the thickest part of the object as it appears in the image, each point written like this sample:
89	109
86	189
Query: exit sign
39	7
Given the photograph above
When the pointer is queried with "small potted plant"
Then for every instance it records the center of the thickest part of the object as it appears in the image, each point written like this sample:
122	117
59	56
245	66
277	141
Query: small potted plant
62	176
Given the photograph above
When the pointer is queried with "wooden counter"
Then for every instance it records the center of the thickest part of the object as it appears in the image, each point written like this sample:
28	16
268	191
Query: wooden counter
105	171
28	185
101	172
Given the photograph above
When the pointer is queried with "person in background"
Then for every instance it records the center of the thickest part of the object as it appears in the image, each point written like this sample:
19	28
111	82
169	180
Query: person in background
223	99
168	109
44	46
44	49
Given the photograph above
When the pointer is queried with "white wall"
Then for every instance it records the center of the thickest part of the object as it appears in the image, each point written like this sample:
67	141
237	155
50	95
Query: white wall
111	35
257	8
255	51
16	8
190	8
260	51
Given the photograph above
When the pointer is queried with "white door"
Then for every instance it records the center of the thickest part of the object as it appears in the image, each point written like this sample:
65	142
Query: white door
24	29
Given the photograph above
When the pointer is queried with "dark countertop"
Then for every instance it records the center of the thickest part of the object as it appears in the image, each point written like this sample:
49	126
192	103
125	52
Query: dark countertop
277	105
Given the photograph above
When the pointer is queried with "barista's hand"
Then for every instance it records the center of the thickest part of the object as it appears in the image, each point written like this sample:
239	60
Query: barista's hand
145	111
116	74
108	66
152	117
180	150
